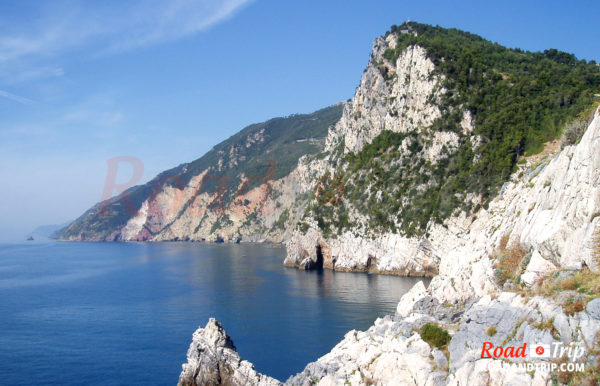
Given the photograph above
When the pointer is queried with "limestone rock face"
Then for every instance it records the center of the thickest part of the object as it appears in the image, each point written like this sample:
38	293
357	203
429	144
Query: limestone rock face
393	352
213	360
537	269
408	301
386	253
388	353
399	104
550	210
399	101
184	214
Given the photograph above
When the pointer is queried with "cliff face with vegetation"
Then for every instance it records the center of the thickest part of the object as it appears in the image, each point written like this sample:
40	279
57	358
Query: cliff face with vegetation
442	121
505	211
244	189
457	158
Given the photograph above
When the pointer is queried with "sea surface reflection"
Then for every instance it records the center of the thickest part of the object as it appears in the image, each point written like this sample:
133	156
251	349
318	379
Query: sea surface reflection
124	313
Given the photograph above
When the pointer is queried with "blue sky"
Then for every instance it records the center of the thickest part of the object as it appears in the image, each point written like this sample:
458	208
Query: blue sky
84	81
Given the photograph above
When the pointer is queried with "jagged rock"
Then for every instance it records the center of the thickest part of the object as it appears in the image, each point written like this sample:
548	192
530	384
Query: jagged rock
537	268
406	304
488	372
381	355
376	99
213	360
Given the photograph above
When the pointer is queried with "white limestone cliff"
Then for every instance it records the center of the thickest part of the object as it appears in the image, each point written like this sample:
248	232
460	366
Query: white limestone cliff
548	208
552	211
398	96
399	102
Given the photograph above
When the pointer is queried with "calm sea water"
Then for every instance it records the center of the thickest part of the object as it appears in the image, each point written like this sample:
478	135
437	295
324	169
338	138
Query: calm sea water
124	313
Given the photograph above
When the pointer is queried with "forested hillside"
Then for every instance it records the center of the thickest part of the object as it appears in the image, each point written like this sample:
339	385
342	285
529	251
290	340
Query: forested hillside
518	100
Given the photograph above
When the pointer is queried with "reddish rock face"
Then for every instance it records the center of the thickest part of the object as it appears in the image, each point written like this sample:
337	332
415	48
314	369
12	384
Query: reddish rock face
328	259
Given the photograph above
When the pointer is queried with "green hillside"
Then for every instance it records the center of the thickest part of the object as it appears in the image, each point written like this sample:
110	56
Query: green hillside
277	145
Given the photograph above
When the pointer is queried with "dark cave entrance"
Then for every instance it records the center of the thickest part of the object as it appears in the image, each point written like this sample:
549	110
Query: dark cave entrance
319	264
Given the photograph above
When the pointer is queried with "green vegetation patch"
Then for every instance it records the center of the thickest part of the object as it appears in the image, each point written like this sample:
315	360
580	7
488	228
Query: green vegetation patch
283	218
435	335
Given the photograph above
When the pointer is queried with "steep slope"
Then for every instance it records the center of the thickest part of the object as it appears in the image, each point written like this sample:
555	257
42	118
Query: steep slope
243	188
440	121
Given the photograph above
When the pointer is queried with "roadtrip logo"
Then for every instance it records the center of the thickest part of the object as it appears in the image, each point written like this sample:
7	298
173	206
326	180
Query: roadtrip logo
556	350
552	353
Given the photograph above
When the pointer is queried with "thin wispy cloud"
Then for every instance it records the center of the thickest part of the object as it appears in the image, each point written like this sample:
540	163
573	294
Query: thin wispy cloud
118	26
36	73
15	98
95	111
37	45
96	118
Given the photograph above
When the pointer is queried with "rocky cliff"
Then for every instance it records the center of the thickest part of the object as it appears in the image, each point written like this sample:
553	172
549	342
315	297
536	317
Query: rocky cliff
546	220
397	99
420	167
244	189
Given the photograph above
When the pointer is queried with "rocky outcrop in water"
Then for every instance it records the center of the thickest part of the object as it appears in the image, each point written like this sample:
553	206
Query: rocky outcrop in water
213	360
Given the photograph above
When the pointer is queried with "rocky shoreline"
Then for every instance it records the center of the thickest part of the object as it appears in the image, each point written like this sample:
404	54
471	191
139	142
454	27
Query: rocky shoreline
393	351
